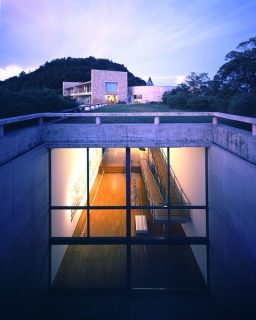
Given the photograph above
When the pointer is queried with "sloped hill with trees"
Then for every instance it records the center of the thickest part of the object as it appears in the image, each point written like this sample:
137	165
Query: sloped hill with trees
41	90
52	74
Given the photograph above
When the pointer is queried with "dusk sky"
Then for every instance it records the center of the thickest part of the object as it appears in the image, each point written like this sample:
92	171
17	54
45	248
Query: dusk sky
164	39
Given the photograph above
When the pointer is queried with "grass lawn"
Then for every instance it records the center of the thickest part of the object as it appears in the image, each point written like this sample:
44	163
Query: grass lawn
149	107
136	108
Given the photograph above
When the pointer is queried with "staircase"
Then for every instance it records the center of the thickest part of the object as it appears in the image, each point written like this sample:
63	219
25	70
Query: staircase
156	198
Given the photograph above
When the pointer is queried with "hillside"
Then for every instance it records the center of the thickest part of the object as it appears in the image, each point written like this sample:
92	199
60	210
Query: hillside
52	74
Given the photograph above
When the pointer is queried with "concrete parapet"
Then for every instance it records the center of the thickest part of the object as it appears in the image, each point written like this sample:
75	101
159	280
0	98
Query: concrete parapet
17	142
128	135
237	141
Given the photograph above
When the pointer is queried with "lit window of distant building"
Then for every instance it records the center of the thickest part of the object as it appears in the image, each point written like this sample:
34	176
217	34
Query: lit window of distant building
111	87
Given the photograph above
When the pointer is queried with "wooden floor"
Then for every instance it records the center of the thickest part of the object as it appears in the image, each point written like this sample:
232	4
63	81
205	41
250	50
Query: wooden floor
104	266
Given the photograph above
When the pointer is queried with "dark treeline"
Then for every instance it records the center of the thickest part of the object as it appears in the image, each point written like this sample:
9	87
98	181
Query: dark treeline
14	103
41	90
232	89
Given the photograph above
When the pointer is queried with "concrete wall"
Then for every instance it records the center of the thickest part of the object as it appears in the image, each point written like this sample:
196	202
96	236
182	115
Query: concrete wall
18	142
99	77
232	230
148	93
24	228
128	135
69	188
189	167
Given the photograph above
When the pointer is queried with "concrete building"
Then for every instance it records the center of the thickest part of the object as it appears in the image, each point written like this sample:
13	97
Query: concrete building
69	197
112	87
104	87
147	94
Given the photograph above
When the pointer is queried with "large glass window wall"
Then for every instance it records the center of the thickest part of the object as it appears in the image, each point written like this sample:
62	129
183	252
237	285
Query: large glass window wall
128	198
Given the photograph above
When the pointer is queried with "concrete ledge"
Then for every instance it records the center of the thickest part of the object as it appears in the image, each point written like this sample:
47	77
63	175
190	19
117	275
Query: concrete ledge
17	142
237	141
128	135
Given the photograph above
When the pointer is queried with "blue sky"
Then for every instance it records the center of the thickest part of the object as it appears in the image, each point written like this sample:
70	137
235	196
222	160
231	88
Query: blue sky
164	39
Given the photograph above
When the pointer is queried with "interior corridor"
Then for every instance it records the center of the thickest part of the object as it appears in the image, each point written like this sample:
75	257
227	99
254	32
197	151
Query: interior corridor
105	266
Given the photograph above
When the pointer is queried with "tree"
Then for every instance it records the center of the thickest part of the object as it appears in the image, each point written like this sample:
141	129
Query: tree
197	83
239	73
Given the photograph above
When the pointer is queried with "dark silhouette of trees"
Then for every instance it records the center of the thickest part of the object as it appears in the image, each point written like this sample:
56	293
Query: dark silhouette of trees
232	89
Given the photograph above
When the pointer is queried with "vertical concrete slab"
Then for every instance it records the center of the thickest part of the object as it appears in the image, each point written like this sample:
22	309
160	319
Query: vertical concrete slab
24	228
232	228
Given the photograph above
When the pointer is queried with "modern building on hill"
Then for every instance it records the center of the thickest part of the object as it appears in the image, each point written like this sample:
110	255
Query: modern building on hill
112	87
105	87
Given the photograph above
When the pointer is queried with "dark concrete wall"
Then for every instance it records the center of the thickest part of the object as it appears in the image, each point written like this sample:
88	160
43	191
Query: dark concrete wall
232	230
24	228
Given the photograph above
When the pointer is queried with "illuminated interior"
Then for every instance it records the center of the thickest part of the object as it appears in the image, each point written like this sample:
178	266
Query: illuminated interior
111	98
161	195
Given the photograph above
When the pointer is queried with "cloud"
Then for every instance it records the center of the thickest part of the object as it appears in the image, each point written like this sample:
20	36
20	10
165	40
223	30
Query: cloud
180	78
13	70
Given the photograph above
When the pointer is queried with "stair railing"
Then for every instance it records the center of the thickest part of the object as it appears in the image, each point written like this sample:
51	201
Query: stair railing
181	195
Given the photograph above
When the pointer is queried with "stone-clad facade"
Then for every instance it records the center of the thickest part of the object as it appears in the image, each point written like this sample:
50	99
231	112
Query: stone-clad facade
99	79
105	87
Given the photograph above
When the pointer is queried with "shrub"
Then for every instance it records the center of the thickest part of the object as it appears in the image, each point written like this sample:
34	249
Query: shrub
243	104
177	101
32	101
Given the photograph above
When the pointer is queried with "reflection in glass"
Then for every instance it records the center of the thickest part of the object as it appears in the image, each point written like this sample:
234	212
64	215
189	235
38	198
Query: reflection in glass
166	266
88	266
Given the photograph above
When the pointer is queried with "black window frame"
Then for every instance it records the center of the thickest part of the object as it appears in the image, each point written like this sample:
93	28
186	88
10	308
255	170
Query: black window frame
128	240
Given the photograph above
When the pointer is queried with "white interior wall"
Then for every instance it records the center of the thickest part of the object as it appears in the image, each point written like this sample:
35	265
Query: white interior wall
189	167
68	185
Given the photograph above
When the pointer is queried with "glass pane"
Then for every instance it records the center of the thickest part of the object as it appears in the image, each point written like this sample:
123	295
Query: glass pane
88	266
193	221
68	176
144	223
138	189
166	266
150	184
107	177
188	222
111	87
187	170
108	223
158	164
69	223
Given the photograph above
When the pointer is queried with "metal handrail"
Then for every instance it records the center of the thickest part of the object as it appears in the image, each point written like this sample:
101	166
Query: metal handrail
156	174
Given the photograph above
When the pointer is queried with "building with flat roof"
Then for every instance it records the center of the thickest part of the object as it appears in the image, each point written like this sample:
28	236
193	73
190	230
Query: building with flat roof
112	87
148	93
105	87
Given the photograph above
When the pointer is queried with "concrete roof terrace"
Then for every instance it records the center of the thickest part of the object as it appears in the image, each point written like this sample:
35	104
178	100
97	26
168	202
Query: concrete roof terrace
139	129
